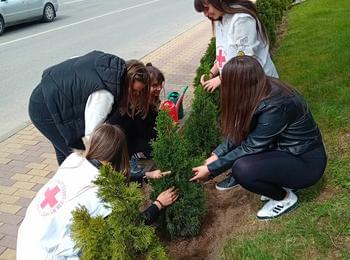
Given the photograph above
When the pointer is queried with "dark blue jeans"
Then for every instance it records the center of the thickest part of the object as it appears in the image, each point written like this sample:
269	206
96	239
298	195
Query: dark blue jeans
42	120
266	173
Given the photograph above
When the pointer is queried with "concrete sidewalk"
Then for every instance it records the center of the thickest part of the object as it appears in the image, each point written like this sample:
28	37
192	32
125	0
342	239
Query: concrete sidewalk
27	159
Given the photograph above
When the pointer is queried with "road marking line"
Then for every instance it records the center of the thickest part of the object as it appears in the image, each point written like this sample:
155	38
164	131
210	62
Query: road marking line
73	2
76	23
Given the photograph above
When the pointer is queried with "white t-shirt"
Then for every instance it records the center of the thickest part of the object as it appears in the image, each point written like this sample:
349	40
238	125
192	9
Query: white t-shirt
237	33
45	230
98	106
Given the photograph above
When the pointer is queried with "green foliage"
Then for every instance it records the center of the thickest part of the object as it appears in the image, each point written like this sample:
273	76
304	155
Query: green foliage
181	151
271	12
122	235
201	129
170	152
206	62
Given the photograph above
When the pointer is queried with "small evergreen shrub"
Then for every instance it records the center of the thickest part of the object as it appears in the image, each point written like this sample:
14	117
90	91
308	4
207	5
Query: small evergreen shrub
181	151
268	19
122	235
183	218
201	130
206	62
271	12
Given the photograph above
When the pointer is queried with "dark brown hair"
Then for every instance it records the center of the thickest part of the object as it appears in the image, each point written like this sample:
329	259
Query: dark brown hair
233	7
156	77
243	86
132	104
108	144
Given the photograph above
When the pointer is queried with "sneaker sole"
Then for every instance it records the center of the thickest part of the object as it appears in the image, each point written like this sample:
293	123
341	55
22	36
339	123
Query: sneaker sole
287	211
266	200
225	189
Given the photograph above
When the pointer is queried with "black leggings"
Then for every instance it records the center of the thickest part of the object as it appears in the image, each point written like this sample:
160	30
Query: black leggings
266	173
43	121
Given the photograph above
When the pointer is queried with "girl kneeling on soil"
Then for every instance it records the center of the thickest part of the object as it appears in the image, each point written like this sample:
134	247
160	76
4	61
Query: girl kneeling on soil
272	145
45	230
238	30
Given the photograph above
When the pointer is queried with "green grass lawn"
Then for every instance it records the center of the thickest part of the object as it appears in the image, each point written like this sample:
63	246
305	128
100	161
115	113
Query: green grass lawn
314	56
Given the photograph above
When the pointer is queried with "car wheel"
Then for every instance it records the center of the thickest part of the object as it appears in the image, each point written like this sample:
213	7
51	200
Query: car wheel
2	25
49	13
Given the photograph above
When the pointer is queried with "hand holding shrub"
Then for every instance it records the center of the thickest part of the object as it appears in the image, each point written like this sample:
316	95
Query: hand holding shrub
156	174
211	84
201	173
166	198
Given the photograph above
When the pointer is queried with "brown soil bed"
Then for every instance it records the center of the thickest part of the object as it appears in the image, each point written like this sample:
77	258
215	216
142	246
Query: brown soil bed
229	213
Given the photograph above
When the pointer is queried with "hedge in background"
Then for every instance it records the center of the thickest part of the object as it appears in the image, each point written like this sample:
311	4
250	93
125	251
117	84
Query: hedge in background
271	12
122	235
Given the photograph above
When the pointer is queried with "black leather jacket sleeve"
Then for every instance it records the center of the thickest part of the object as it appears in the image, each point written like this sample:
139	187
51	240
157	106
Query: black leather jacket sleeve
269	124
150	214
224	148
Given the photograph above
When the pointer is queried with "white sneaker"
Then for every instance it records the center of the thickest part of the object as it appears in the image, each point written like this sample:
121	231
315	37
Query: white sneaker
264	198
275	208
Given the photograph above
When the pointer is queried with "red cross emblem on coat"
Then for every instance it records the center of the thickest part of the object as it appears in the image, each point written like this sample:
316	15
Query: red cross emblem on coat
221	57
51	197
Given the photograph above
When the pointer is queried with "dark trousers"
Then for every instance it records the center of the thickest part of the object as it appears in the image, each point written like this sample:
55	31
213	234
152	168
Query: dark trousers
42	120
266	173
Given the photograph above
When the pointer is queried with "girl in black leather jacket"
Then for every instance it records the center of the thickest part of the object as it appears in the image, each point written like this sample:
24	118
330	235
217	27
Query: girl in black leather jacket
272	145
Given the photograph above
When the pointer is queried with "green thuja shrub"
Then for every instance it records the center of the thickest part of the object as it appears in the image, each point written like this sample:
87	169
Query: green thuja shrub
206	62
266	13
122	235
183	218
201	130
181	151
271	12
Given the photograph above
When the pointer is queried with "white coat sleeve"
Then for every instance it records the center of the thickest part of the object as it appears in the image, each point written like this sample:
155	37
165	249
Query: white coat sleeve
244	38
98	106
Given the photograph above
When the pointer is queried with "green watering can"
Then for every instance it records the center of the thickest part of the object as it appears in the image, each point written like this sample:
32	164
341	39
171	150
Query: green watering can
177	99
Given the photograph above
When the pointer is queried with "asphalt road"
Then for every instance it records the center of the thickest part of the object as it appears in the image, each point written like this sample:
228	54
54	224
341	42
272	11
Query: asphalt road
127	28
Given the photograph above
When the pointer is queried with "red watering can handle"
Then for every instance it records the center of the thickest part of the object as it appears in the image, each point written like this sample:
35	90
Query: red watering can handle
179	101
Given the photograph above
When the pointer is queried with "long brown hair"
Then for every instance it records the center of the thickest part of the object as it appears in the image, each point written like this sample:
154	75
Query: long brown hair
234	7
156	77
108	144
243	86
132	104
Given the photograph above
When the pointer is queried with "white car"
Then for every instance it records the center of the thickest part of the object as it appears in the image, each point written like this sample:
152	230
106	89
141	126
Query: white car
19	11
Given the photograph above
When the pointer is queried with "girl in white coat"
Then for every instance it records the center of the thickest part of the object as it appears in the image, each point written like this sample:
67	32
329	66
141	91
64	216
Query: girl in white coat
239	31
45	230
